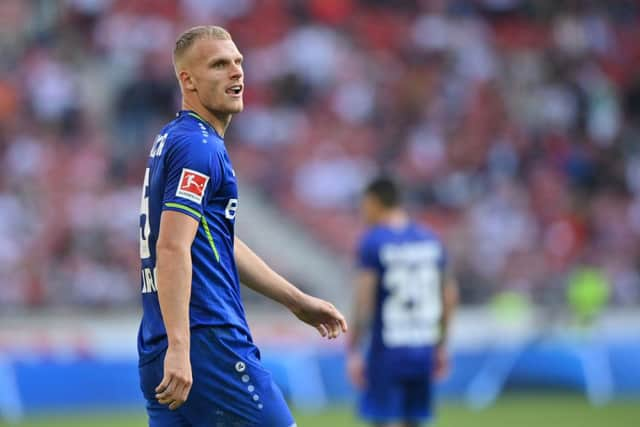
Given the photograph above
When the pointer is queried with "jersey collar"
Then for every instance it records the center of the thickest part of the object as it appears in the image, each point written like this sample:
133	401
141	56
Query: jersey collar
197	117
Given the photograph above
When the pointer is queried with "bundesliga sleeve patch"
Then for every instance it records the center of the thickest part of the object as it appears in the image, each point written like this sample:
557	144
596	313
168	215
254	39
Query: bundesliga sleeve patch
192	185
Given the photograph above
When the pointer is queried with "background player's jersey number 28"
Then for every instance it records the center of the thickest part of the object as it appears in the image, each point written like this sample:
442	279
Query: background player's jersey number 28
412	308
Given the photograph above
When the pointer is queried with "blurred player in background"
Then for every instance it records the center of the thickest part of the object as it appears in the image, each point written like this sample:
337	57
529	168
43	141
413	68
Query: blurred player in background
198	364
404	299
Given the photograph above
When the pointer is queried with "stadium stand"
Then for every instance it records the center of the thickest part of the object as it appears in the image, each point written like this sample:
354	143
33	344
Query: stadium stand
514	123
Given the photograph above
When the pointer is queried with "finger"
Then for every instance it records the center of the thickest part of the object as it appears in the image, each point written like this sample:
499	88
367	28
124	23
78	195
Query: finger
163	384
184	392
174	400
179	397
343	323
166	396
339	318
175	404
328	324
329	330
322	329
167	393
166	400
335	329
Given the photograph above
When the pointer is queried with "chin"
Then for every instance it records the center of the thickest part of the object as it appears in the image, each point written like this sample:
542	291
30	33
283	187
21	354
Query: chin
225	107
234	108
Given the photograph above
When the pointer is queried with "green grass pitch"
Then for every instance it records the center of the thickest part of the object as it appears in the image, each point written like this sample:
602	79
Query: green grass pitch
513	410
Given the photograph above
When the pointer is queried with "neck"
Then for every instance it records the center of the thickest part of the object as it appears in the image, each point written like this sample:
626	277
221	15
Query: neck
218	121
395	217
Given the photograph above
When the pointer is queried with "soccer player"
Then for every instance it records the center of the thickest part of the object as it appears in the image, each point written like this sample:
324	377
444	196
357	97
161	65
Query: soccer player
404	298
198	364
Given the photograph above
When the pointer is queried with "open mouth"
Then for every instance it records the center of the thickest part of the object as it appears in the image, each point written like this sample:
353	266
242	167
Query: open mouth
234	90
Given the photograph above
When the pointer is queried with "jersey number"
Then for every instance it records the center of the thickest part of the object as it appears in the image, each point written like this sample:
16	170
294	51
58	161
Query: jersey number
411	311
231	209
145	228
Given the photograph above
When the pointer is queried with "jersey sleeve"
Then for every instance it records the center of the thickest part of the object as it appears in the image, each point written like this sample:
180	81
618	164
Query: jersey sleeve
367	253
193	172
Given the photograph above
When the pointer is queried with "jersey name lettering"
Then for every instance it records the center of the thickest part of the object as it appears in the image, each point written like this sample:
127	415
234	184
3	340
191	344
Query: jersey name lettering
149	279
158	145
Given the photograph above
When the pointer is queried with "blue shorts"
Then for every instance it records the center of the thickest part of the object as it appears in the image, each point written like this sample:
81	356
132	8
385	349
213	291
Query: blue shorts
230	387
392	398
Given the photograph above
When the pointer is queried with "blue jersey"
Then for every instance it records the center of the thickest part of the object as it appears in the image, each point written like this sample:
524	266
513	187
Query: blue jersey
189	171
409	264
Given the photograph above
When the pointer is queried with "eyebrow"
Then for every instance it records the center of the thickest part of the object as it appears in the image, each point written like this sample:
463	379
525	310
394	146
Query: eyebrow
224	59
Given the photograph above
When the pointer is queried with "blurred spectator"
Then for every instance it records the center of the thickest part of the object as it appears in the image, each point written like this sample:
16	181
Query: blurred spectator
514	123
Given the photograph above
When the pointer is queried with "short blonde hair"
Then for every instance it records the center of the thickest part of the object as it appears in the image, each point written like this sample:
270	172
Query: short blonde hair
190	36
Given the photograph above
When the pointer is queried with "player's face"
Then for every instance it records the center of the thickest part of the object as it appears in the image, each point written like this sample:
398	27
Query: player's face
217	75
370	207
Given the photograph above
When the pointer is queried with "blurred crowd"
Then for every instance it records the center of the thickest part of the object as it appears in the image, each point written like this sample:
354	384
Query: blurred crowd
514	124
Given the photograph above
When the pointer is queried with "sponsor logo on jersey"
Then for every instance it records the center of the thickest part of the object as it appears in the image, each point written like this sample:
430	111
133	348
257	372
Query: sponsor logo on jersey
192	185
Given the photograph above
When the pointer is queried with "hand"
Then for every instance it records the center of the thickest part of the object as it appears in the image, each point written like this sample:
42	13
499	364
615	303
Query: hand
176	382
355	369
441	363
320	314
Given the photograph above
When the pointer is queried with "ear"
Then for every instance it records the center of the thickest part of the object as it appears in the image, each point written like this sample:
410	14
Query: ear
186	80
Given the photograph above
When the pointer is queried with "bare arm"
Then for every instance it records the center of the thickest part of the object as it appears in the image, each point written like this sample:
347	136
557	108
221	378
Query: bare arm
173	254
449	303
257	275
365	288
364	297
